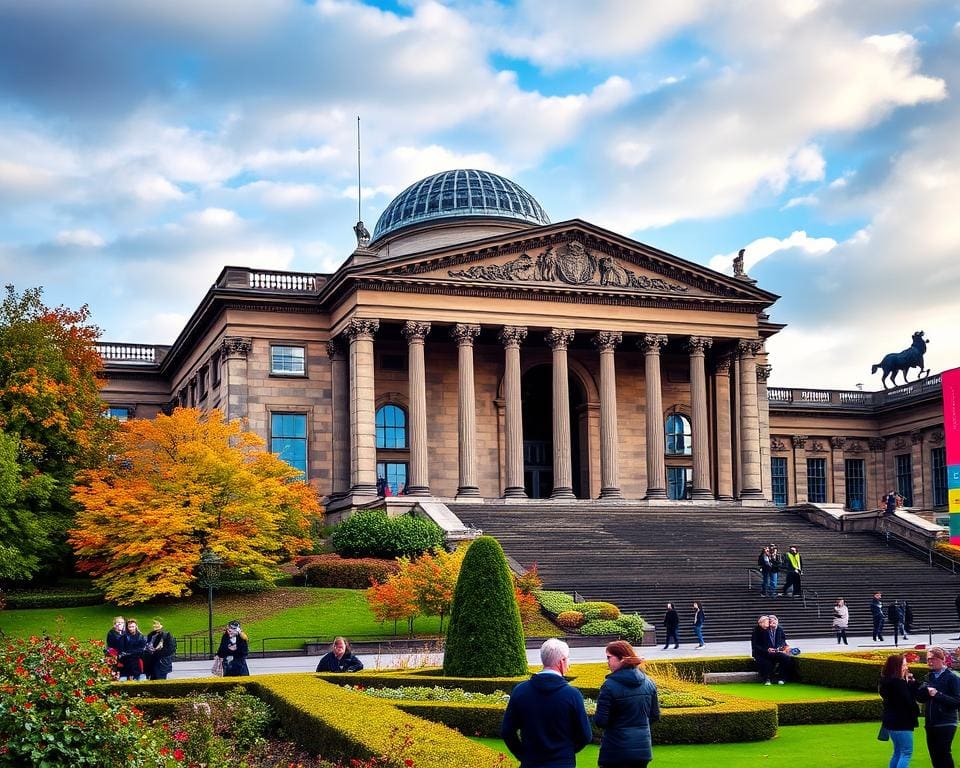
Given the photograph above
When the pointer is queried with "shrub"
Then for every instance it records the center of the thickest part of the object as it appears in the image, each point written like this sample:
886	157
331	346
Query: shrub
555	603
54	710
571	619
337	572
629	627
593	611
373	534
485	638
53	599
529	582
528	606
245	587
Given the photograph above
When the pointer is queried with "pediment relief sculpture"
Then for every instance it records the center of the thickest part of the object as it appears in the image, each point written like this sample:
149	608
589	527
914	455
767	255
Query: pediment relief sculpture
570	264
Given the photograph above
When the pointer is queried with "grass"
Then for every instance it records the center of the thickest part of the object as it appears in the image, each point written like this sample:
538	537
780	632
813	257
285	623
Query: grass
790	692
849	745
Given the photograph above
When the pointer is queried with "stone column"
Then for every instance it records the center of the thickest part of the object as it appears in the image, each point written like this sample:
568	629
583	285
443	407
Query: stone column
363	431
724	431
763	373
916	464
466	411
749	421
340	428
419	481
606	342
799	468
698	345
512	336
879	484
651	344
234	350
558	339
838	473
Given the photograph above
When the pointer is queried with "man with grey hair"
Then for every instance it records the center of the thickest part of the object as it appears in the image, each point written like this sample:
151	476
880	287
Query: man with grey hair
545	724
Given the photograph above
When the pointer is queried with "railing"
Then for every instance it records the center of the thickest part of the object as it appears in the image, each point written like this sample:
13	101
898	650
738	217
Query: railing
259	280
844	398
143	354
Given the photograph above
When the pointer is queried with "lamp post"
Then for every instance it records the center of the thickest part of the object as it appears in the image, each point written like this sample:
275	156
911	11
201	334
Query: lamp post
210	565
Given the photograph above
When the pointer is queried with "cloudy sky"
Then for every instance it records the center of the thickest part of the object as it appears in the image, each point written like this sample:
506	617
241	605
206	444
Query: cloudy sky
144	145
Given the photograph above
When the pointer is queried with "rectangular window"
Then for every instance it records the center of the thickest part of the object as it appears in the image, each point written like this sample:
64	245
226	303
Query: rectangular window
393	474
817	481
778	479
122	414
905	478
215	370
203	382
679	482
855	472
288	439
938	463
287	361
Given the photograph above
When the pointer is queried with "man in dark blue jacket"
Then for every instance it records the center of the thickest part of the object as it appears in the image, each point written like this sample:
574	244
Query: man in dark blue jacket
942	693
548	712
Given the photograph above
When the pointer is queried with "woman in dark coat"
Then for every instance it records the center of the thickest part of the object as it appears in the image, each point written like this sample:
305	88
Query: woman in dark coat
671	623
340	658
698	622
234	648
626	706
898	690
131	652
160	649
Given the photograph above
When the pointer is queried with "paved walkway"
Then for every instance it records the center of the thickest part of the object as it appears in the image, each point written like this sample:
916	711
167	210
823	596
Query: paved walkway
186	669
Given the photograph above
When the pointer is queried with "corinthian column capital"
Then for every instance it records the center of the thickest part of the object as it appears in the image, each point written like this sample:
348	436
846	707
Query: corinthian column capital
763	373
415	331
606	340
698	345
464	334
558	338
652	342
512	335
361	328
236	346
749	347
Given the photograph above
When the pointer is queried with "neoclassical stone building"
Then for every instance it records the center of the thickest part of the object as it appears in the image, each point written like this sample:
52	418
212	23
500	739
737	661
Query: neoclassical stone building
472	349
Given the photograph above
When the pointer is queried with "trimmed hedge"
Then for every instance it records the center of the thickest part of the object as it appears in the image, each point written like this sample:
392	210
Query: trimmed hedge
372	534
826	712
245	587
599	611
52	600
342	573
570	619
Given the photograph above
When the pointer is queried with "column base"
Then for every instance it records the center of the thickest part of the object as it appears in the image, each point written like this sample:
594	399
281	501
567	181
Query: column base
418	490
363	489
751	493
468	492
610	493
514	492
564	492
701	493
656	493
725	497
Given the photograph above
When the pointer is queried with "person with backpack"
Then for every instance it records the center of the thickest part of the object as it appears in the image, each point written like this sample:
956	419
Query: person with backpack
158	655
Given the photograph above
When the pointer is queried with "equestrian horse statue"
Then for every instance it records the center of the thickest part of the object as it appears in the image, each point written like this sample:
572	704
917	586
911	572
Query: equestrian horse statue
896	362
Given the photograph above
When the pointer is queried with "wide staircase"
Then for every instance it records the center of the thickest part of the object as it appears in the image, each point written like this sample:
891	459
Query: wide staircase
643	557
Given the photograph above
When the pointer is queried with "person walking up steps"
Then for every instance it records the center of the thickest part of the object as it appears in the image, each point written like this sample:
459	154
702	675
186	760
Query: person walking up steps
698	622
876	613
841	620
671	623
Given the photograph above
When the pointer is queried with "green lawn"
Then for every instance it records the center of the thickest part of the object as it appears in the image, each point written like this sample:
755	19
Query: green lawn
789	692
849	745
287	612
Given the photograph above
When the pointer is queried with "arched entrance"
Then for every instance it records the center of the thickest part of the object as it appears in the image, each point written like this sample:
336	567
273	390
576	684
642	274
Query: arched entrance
536	392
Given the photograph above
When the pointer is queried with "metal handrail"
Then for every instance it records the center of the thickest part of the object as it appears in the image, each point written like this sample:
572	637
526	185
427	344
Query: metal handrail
934	558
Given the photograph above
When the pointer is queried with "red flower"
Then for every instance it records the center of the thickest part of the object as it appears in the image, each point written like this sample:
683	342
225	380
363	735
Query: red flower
181	736
123	718
28	705
408	762
91	681
89	699
178	754
164	751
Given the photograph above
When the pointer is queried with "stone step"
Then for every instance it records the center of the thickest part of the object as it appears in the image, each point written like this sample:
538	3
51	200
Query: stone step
714	678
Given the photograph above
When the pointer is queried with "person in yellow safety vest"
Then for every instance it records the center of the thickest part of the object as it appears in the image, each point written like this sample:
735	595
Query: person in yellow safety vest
794	571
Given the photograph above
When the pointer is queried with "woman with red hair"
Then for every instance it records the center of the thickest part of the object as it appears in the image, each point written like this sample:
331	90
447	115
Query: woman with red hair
626	706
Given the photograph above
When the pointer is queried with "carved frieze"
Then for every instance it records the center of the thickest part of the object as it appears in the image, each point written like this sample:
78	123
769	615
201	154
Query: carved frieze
855	447
916	437
607	340
817	445
568	263
900	442
512	335
776	444
837	442
799	441
464	334
937	436
559	338
414	331
878	443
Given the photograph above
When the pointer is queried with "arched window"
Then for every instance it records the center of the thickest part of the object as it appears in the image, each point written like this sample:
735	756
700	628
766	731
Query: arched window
391	427
679	434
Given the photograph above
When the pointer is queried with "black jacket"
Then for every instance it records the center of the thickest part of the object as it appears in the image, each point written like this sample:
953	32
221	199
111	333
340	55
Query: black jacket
671	619
626	706
942	708
237	666
346	663
131	654
876	609
160	649
900	709
552	723
760	641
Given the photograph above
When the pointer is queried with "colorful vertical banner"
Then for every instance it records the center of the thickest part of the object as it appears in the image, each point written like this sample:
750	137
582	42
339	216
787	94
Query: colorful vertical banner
951	427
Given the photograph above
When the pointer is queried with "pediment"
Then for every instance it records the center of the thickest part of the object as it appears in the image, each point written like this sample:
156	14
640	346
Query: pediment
571	259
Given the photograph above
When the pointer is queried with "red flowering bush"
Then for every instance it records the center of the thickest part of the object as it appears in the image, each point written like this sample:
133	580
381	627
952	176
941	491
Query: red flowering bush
56	709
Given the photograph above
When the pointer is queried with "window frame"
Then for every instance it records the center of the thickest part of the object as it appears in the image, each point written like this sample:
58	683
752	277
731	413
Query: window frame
288	439
381	430
903	472
855	483
817	480
938	475
686	434
384	471
292	373
779	485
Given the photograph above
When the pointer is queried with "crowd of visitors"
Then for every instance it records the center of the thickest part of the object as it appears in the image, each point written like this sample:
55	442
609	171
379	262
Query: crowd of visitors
137	656
772	563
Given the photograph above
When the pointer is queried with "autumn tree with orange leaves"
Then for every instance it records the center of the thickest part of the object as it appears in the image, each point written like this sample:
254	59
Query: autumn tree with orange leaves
50	427
178	485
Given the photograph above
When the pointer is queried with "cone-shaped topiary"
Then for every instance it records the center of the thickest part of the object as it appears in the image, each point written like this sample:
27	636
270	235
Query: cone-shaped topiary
485	638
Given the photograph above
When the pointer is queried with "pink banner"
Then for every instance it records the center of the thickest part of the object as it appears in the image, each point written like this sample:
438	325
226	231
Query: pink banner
951	414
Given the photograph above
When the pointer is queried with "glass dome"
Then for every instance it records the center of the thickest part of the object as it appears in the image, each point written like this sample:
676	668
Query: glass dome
458	193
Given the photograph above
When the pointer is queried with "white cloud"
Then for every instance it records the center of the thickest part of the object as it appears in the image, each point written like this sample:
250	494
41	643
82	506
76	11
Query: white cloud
284	195
83	238
155	189
763	247
794	202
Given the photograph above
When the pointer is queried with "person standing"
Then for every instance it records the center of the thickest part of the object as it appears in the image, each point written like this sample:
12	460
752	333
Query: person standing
340	658
897	617
626	706
941	690
671	623
901	714
841	620
766	570
545	723
234	648
114	641
794	571
132	649
158	658
890	503
698	622
776	565
876	613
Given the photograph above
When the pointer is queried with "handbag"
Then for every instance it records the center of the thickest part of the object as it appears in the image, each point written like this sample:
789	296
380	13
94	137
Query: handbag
217	667
884	734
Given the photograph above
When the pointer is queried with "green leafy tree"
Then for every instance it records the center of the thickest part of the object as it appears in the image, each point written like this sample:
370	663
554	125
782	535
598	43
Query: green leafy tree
51	425
485	638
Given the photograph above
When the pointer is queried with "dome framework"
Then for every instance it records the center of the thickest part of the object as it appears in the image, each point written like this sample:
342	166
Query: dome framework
459	193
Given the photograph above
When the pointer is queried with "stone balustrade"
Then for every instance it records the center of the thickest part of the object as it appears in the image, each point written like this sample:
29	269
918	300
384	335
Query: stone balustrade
137	354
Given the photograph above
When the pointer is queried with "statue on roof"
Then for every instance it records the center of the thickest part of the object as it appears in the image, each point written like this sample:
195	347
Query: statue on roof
362	233
738	270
